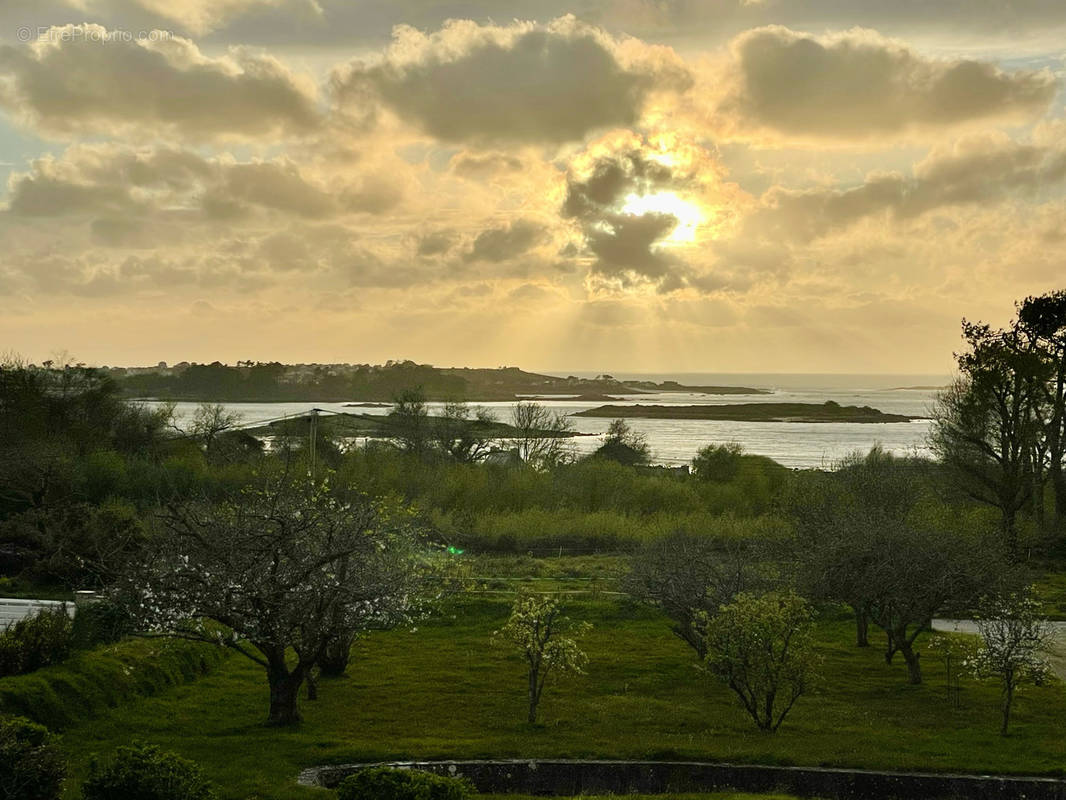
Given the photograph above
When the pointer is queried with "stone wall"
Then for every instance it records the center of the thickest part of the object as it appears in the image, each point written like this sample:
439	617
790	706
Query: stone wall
571	778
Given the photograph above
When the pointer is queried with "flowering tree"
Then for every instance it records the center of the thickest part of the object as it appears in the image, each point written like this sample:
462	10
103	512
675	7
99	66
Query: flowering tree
762	648
275	572
538	629
1014	641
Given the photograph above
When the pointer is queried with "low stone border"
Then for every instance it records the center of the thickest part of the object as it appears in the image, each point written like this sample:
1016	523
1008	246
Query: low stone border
572	778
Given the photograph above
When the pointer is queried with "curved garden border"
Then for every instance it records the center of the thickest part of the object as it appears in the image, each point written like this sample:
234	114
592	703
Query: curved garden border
572	778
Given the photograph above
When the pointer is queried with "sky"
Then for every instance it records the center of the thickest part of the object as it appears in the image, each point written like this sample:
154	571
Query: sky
623	185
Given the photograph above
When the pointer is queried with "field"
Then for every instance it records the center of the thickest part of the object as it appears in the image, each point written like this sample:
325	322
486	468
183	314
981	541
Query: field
443	691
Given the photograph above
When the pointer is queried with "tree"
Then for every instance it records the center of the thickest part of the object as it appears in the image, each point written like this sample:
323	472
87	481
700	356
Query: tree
277	569
986	425
541	435
409	419
1014	641
623	445
546	639
689	576
1042	320
718	463
460	437
762	648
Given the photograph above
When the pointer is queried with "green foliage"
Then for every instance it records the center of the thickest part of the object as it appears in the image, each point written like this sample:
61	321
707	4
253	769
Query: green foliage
35	642
32	766
90	683
97	623
719	463
762	648
385	783
145	772
546	639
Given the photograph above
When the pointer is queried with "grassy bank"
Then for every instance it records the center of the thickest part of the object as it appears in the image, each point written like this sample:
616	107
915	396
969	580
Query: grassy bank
443	692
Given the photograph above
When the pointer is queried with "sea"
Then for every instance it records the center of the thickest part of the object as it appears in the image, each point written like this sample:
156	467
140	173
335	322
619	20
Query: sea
797	445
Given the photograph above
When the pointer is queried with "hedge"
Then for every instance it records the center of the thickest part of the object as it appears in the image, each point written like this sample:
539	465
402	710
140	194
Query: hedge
91	682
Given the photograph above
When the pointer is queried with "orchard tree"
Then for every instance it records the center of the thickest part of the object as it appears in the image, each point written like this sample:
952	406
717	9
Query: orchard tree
1015	640
276	572
762	648
689	576
546	639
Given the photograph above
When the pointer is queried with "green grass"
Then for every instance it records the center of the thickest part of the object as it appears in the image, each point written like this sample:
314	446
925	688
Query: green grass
713	796
443	692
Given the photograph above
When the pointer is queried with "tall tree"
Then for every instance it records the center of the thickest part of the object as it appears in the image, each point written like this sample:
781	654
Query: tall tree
1042	319
986	424
541	435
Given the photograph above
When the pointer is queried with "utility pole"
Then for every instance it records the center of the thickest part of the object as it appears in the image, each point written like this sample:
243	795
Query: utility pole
313	438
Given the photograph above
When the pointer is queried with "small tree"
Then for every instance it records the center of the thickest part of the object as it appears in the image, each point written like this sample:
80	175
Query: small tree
718	463
762	648
1014	641
538	629
541	436
624	445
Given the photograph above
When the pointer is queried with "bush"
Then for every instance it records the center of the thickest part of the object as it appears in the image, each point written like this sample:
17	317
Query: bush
387	783
91	683
31	765
145	772
99	622
35	642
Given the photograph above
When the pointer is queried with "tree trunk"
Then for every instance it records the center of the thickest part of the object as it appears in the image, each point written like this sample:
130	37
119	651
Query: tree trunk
284	691
312	685
338	652
1008	700
862	628
914	667
534	697
1010	530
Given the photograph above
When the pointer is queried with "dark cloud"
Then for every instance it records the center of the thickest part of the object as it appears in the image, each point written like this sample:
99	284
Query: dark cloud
85	79
507	241
525	83
480	166
436	243
860	85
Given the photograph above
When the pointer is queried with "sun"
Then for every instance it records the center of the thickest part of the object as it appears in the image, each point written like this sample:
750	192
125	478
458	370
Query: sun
688	215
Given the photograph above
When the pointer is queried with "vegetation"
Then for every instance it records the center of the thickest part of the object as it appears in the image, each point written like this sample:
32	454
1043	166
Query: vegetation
145	772
36	642
383	783
1015	641
546	640
761	648
32	766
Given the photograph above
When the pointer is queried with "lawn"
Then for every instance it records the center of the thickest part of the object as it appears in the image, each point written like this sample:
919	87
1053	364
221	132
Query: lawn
442	691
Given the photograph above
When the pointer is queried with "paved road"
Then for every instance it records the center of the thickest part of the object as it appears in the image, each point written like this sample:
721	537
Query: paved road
1057	657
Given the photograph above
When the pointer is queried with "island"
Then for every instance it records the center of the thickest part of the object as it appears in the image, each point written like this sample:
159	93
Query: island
829	411
384	426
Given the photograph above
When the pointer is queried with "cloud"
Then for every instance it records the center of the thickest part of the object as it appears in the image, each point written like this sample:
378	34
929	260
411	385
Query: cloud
976	169
860	85
506	242
84	79
522	83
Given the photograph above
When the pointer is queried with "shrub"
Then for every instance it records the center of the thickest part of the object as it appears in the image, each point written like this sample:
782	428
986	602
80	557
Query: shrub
388	783
100	622
90	683
31	765
145	772
35	642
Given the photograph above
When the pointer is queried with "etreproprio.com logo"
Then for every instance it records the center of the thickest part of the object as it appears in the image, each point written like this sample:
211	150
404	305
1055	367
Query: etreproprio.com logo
87	33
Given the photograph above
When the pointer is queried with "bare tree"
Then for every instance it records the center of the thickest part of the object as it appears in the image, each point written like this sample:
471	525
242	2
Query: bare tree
541	436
